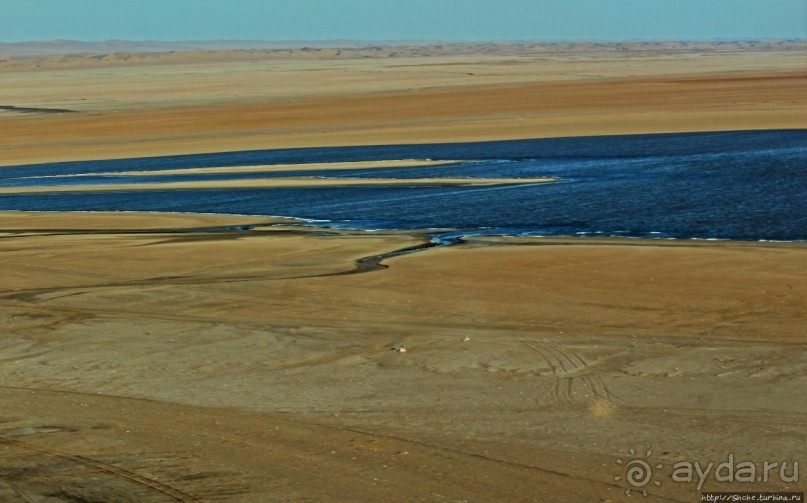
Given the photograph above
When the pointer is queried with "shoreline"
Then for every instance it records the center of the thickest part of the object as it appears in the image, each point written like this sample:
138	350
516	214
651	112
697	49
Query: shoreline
486	155
356	164
243	224
314	225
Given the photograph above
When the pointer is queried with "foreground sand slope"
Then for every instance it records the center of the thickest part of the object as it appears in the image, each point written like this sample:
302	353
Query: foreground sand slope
208	102
256	365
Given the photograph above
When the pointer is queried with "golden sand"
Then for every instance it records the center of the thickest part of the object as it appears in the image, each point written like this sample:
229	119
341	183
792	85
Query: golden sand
271	168
199	359
169	357
190	106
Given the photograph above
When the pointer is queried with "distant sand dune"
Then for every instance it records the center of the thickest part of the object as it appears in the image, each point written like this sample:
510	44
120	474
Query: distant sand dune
191	102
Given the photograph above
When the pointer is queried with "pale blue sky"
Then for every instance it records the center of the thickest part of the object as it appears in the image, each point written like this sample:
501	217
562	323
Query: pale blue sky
401	19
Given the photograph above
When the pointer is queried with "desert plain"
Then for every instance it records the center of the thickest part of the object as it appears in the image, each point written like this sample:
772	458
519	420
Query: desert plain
175	357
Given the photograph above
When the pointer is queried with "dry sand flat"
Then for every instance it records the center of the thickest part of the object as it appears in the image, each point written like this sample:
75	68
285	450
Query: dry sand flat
255	366
206	102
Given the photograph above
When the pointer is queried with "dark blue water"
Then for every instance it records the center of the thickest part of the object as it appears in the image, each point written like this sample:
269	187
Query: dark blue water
731	185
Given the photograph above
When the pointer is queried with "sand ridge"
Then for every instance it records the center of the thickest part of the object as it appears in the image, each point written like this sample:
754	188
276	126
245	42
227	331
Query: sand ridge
270	168
273	183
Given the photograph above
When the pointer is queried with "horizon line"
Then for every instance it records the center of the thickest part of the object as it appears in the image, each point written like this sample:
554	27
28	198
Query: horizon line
422	40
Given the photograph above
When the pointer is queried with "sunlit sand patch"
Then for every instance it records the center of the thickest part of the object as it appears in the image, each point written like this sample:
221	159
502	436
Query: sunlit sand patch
270	168
274	183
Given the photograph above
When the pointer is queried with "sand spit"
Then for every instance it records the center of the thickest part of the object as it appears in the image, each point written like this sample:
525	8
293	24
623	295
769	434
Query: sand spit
273	183
271	168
